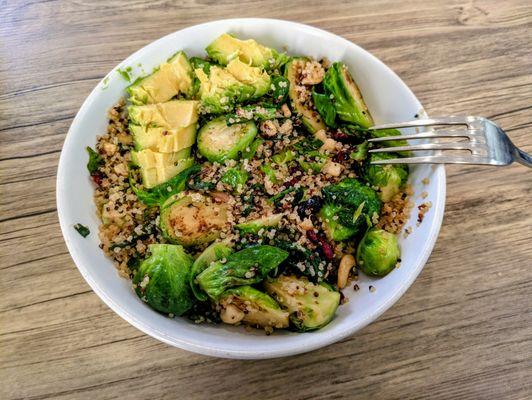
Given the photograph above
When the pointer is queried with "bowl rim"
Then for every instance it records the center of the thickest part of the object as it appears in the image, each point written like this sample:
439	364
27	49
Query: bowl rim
183	343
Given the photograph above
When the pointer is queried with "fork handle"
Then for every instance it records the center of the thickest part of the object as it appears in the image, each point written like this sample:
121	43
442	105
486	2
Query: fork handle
522	157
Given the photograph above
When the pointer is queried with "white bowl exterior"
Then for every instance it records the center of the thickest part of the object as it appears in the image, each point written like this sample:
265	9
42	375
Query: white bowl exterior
389	100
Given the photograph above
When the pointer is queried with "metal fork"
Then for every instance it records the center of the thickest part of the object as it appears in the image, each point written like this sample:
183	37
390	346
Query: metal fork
487	143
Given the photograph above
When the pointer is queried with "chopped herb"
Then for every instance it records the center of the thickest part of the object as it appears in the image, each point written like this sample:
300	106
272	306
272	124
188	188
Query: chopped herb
125	73
82	230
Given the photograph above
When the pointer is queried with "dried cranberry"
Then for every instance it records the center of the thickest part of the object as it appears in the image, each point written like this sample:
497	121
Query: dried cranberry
312	236
313	205
326	248
341	157
97	178
341	136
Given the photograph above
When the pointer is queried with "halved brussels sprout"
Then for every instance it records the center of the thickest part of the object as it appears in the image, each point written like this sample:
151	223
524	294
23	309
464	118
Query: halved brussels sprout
162	279
378	252
218	142
226	47
254	226
332	227
245	267
348	101
214	252
192	218
222	88
349	204
310	117
388	178
311	306
251	306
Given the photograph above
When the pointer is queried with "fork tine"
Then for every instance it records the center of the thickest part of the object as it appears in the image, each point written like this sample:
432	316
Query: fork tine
455	120
437	160
425	146
425	135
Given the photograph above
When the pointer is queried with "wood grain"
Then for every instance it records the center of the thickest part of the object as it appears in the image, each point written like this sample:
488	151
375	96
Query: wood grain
462	331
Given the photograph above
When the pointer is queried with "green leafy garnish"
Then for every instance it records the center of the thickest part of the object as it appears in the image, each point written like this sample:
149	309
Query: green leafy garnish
82	230
95	160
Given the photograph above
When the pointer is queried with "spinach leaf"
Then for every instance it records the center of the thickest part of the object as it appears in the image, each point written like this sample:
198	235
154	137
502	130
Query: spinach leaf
280	86
157	195
95	160
235	177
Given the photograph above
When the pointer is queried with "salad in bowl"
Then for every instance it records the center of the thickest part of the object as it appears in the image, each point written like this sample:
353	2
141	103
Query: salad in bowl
237	188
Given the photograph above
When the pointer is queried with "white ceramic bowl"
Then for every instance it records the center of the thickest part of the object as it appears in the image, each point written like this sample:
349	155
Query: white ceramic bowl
388	99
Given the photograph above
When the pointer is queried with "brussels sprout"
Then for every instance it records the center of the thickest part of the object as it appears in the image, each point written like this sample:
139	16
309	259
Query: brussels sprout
218	142
325	107
235	177
249	152
251	306
214	252
332	227
222	88
227	47
162	279
390	143
360	152
246	267
389	178
310	117
348	101
311	306
191	218
349	204
378	252
254	226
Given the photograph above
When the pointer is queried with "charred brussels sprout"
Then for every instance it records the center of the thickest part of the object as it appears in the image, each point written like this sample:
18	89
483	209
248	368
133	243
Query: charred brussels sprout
378	252
348	101
192	218
251	306
246	267
350	208
214	252
219	142
388	178
162	279
311	306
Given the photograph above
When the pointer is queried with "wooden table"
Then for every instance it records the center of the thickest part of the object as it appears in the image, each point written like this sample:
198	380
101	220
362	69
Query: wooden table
462	331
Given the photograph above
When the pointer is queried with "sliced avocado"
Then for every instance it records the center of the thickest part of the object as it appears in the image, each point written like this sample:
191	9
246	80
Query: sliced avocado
157	168
311	306
252	76
310	117
226	48
161	139
254	226
257	308
170	115
168	80
219	142
192	218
